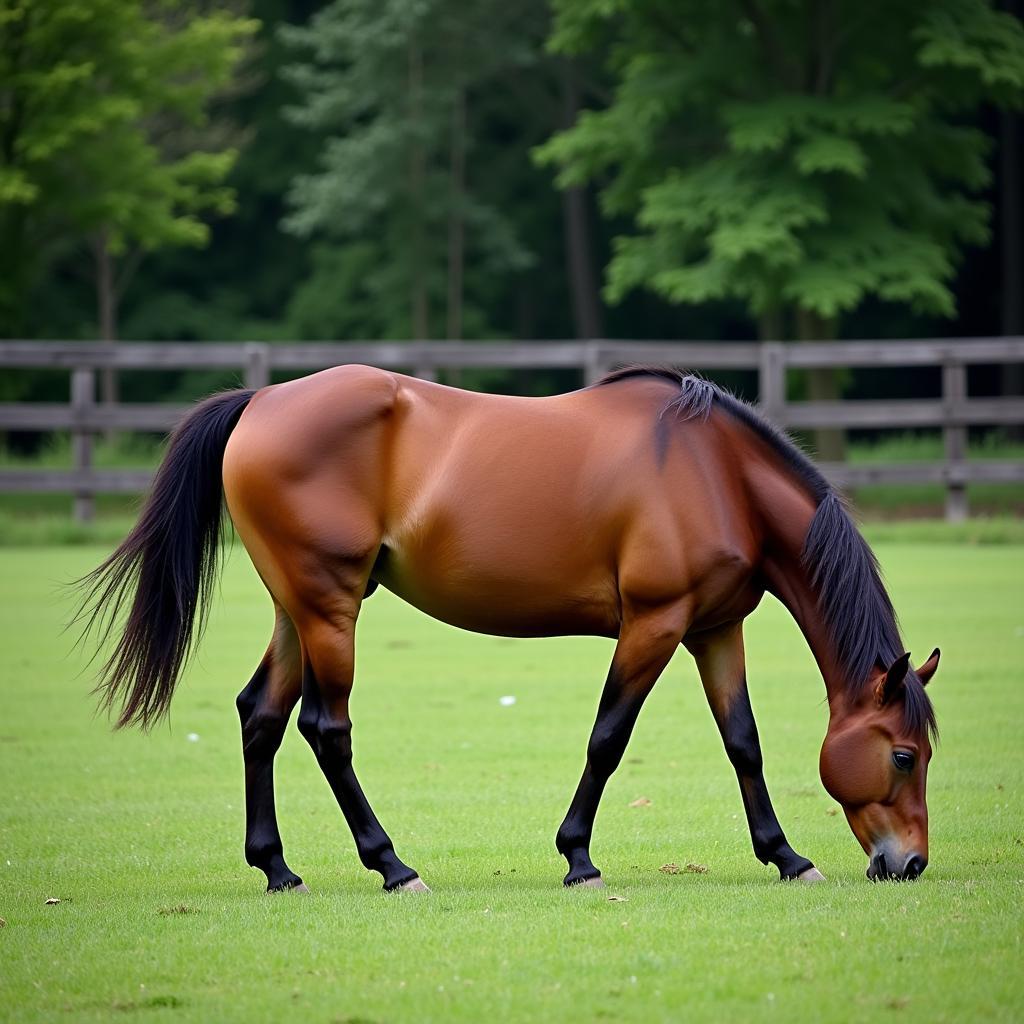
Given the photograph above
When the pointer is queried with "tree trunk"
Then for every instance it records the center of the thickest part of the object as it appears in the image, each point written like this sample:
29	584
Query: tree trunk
106	307
586	300
769	325
18	268
526	311
456	217
417	177
822	385
1012	312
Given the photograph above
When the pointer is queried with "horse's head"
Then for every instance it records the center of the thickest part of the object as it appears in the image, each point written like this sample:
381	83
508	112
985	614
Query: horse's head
874	761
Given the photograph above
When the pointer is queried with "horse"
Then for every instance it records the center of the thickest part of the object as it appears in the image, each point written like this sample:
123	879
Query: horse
652	507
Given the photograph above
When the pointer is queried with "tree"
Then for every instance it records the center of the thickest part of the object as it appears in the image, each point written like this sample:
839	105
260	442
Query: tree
392	86
799	157
101	103
240	285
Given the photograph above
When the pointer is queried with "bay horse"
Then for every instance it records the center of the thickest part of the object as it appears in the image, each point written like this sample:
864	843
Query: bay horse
652	507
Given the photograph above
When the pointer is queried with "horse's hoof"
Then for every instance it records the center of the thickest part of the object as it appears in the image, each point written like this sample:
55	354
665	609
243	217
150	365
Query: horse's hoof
587	883
413	885
811	875
299	886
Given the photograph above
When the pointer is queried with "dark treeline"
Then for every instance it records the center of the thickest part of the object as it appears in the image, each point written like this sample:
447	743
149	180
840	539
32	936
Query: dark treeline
516	169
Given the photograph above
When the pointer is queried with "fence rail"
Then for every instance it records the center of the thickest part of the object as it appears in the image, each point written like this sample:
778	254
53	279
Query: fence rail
953	412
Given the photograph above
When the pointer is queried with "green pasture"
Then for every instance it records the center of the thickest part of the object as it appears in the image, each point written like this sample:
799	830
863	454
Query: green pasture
140	837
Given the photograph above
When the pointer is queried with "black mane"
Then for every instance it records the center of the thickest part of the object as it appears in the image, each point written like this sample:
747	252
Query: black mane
842	569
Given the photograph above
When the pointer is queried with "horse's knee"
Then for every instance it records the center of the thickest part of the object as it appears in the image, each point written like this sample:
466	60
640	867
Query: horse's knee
609	737
742	745
335	739
605	749
739	733
330	738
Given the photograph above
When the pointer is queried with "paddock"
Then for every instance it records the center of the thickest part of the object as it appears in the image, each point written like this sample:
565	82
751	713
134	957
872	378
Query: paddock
140	837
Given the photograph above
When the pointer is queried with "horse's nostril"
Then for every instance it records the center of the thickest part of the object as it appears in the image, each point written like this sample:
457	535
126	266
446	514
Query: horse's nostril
878	869
914	867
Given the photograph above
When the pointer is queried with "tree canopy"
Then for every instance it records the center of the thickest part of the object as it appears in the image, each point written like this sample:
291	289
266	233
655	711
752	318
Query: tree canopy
351	169
797	157
393	90
102	105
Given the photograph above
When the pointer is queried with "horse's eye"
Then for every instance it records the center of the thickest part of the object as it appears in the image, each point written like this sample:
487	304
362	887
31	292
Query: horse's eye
903	760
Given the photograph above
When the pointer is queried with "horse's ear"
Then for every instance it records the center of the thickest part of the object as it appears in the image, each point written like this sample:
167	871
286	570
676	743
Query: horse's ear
888	686
927	670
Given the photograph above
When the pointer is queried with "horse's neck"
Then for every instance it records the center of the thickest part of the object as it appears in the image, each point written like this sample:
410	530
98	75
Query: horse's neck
787	511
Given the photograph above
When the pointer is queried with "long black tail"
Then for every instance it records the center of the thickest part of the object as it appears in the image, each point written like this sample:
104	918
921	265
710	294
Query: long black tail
166	567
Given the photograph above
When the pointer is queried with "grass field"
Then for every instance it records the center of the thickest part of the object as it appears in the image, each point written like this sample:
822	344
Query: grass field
160	919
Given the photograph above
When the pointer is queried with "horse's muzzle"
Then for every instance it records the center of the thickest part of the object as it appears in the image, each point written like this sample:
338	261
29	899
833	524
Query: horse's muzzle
881	868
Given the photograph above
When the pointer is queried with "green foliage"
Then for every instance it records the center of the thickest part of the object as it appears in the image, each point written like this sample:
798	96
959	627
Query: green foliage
240	286
787	155
102	100
753	158
350	293
382	85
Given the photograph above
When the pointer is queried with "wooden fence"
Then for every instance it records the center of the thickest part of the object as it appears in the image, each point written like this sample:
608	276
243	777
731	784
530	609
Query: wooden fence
953	412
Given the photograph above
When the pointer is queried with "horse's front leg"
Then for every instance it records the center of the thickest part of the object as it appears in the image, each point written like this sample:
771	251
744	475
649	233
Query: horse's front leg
646	644
720	661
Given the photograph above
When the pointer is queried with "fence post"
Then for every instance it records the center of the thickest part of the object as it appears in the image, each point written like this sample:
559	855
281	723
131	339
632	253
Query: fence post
594	365
771	381
954	391
424	366
83	398
257	365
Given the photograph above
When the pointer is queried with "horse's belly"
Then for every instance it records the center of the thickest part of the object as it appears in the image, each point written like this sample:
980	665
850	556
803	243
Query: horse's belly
486	598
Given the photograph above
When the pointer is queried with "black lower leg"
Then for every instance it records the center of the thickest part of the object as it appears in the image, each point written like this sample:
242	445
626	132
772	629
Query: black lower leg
328	730
263	728
616	717
739	731
573	838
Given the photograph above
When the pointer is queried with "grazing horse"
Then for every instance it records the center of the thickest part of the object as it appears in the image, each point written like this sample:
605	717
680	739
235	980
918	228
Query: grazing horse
651	507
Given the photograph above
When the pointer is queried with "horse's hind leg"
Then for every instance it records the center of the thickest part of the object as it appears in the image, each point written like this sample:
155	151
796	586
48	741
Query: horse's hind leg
264	707
328	667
